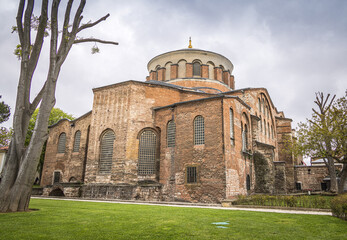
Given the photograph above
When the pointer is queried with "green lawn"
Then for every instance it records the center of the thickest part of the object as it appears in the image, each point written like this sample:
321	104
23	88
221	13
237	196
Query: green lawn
84	220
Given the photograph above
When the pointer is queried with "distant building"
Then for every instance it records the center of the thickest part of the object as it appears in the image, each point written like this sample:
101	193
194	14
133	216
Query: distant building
184	134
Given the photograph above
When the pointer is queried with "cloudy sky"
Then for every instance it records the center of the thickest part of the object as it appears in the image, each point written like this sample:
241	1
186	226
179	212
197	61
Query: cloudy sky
292	48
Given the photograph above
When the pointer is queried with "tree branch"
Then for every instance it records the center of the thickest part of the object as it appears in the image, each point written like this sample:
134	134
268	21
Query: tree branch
19	21
35	54
54	29
27	30
94	40
89	25
37	99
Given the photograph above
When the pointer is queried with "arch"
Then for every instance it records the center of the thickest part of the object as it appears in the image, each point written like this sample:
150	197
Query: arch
196	68
57	192
61	143
147	152
168	71
72	179
182	68
171	133
199	130
77	140
211	66
157	72
106	151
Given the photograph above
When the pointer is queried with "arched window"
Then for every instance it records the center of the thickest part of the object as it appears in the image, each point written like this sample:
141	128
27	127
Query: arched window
261	125
259	103
171	133
106	152
268	130
244	137
231	126
264	128
196	69
147	152
199	130
61	143
272	132
76	143
263	103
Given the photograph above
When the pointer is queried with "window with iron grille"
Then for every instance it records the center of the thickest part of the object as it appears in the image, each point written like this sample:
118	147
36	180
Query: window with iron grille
231	126
147	152
76	144
191	175
61	143
106	152
171	133
199	130
196	69
56	177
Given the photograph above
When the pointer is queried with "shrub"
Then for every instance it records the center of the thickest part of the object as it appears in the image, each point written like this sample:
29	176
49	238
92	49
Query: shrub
339	206
285	201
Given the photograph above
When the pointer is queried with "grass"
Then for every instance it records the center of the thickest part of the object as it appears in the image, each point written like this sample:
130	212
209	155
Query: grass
86	220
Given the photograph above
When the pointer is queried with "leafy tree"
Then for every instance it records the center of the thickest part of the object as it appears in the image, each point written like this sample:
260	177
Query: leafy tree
325	136
56	115
4	111
21	161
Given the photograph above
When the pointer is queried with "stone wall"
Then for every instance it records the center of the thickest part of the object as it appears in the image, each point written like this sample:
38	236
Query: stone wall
311	177
70	164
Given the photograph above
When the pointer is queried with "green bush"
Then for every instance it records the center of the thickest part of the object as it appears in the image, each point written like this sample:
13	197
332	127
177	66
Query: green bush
285	201
339	206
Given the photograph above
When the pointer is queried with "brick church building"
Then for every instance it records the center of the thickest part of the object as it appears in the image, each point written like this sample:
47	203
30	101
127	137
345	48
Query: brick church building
184	134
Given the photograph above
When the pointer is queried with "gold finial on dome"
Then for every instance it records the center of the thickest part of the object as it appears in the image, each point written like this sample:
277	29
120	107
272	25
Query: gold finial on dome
190	43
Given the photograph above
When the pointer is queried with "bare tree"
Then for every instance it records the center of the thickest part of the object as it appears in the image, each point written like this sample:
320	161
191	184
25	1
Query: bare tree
21	161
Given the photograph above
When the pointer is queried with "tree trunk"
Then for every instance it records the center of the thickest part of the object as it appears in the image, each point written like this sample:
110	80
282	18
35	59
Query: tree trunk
332	173
343	178
21	162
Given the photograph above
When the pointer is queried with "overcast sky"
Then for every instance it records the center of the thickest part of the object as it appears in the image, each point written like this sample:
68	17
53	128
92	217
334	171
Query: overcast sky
292	48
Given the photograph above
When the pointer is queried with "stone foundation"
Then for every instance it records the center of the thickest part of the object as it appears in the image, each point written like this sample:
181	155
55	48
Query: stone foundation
144	192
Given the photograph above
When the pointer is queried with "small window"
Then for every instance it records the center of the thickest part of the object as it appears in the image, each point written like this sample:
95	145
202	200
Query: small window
248	183
196	69
244	134
76	144
147	152
171	133
191	175
308	171
61	143
56	177
298	186
199	131
259	103
106	152
231	126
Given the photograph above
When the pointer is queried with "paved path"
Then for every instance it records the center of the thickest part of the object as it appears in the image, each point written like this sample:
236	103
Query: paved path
191	205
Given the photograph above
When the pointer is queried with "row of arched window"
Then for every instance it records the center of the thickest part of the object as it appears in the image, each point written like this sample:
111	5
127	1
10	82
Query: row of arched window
62	142
264	126
197	71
